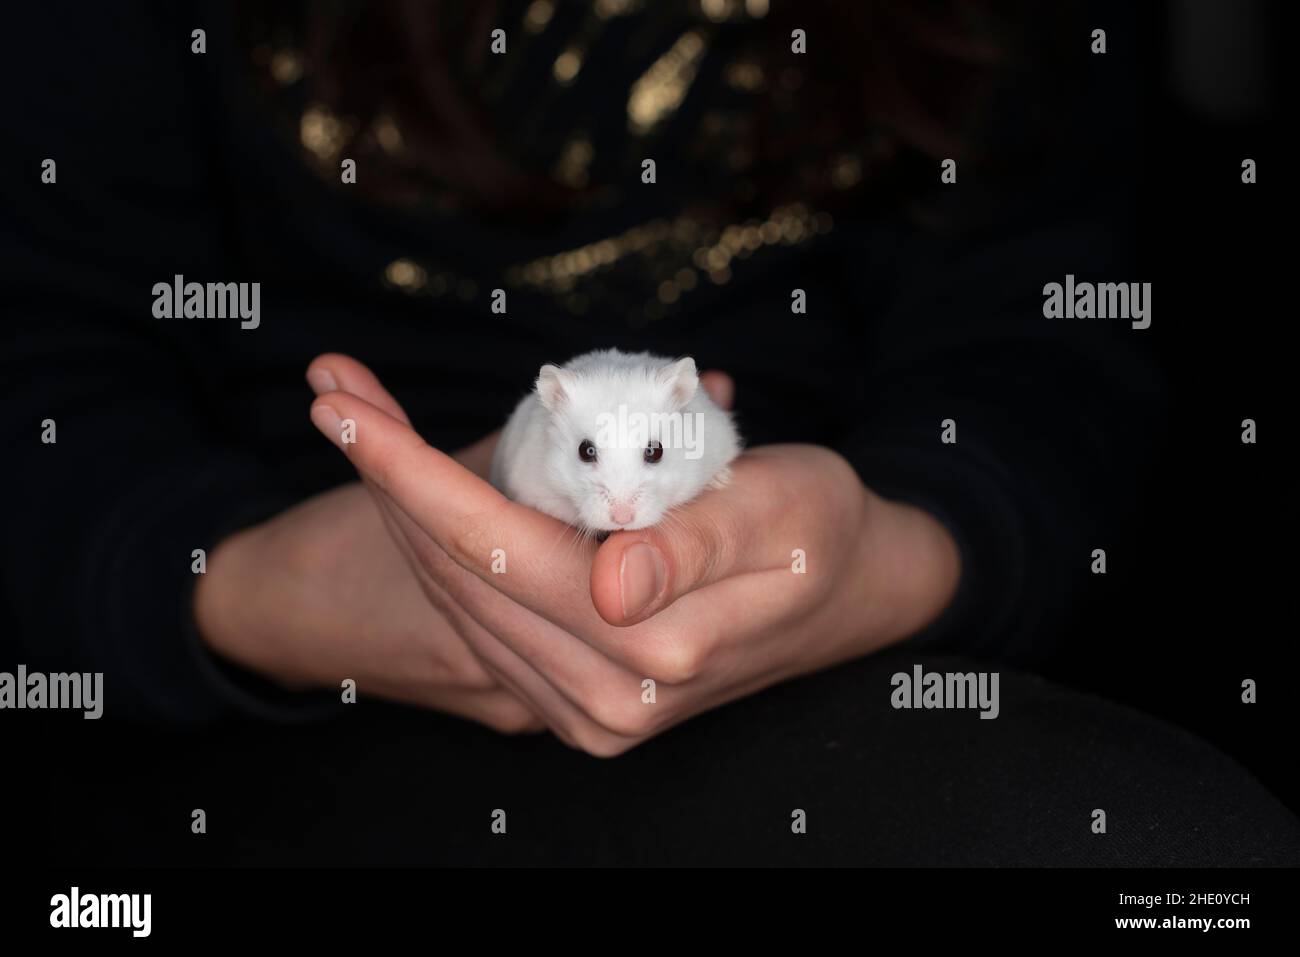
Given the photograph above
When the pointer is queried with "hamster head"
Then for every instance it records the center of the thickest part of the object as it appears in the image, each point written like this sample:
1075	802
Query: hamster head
629	437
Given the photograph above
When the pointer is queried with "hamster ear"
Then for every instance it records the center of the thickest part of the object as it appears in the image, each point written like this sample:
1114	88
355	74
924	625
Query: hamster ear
553	384
681	379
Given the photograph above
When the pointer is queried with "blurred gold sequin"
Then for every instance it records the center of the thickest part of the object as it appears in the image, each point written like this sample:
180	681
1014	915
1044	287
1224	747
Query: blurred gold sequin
322	132
846	171
718	10
405	275
666	250
567	65
722	10
387	134
745	75
286	67
571	168
608	9
538	16
662	88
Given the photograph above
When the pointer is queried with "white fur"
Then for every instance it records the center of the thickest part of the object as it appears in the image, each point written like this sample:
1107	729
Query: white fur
537	462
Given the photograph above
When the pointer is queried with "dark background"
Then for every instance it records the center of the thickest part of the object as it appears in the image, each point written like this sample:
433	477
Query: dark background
1202	595
1198	596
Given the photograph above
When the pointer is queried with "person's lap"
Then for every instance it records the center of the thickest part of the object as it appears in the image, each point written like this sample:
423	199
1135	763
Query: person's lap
878	786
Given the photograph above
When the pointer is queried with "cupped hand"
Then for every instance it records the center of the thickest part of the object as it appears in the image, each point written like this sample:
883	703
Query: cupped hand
793	566
321	593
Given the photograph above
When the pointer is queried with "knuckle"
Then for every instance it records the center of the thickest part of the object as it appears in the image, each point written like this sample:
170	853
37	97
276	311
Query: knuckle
671	657
599	743
514	718
679	664
621	714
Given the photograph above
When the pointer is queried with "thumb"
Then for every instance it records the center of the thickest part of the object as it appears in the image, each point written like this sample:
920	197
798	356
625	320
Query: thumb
639	573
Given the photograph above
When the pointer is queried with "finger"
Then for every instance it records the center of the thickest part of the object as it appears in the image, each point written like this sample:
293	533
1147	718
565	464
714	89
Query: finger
730	531
433	488
512	643
511	670
335	372
463	516
598	690
481	648
541	663
507	667
720	387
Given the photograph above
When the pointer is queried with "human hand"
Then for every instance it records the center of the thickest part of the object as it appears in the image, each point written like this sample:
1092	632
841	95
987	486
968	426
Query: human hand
321	593
710	605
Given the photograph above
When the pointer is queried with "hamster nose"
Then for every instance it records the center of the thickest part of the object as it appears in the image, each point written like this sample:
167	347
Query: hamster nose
621	514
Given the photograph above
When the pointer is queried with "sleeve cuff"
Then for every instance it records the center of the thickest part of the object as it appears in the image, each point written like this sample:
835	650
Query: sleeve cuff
991	612
140	570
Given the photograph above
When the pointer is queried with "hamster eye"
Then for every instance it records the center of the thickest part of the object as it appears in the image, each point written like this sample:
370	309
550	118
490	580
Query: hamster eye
654	451
587	450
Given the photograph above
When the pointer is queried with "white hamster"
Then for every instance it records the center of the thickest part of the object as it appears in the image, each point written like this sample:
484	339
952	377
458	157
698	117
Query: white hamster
613	440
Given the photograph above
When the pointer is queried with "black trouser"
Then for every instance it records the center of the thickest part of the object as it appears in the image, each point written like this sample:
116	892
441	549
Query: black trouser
878	786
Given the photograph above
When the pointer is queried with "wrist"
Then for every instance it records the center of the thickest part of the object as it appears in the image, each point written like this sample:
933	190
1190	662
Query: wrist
215	608
910	567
